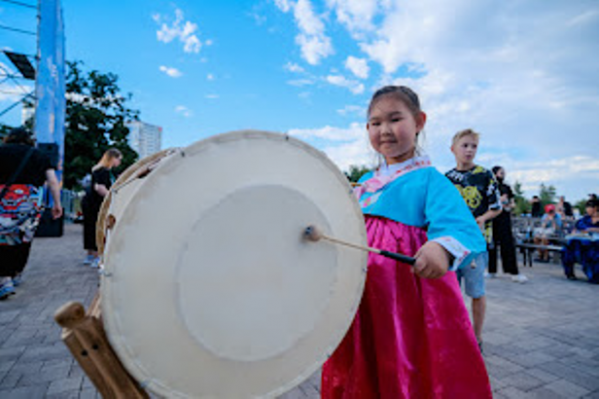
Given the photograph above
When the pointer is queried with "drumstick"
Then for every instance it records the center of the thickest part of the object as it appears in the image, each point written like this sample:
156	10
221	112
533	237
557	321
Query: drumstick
313	233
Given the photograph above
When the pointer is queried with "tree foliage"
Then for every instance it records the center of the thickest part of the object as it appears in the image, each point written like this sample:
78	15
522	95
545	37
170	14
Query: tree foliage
4	129
522	204
96	115
356	172
581	206
547	195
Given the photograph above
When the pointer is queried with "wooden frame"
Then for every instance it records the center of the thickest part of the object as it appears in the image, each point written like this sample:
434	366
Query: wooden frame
83	333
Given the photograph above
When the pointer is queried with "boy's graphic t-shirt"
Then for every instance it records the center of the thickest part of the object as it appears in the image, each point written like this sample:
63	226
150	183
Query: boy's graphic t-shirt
480	191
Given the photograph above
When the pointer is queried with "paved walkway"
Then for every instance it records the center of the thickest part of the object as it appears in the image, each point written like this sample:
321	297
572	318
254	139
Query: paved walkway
542	338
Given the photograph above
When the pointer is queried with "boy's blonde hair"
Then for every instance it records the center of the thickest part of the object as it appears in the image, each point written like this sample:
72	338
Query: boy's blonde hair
464	133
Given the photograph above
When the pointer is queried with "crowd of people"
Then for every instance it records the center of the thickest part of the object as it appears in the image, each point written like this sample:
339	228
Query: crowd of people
412	330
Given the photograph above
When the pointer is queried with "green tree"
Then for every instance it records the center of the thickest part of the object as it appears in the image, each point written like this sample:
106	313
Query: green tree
356	172
4	129
522	204
96	115
547	195
581	206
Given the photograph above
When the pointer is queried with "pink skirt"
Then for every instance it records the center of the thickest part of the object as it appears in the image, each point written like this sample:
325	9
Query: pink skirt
411	337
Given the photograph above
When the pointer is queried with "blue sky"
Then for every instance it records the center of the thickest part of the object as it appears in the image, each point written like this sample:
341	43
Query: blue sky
524	74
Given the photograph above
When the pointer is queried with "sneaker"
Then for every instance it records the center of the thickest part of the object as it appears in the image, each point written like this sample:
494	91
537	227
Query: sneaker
519	278
88	259
490	275
6	289
95	262
17	280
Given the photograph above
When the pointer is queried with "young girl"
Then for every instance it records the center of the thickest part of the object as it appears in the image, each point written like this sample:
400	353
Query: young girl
411	337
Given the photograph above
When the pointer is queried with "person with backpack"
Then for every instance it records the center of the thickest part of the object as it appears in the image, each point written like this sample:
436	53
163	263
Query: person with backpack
23	169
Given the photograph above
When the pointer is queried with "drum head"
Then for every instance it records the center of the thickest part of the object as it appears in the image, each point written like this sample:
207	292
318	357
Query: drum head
210	289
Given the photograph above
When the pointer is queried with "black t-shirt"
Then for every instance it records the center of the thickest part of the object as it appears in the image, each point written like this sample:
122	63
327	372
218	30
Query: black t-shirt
536	209
504	189
568	209
34	171
100	176
479	189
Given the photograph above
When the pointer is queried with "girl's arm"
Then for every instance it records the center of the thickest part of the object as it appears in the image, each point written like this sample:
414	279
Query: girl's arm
450	224
101	189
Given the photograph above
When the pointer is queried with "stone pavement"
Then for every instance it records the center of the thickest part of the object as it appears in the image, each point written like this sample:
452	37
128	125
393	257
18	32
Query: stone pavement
541	338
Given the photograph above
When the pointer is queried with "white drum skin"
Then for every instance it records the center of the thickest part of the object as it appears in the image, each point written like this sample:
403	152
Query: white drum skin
210	289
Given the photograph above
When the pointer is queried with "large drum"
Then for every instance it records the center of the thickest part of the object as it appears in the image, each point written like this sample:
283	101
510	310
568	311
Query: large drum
210	288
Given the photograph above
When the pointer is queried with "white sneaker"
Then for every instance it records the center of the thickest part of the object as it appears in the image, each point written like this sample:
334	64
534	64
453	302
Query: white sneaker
490	275
519	278
95	263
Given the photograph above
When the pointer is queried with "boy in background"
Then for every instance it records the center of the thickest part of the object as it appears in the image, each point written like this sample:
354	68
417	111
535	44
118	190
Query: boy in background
481	193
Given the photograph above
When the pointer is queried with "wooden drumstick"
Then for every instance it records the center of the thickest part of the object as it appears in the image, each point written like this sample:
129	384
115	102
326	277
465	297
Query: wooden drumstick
313	233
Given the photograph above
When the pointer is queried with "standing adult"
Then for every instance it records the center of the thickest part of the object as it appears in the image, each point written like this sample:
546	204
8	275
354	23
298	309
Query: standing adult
102	179
536	209
502	232
23	169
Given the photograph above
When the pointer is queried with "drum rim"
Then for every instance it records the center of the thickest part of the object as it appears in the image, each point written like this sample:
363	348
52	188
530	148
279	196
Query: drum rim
157	385
123	177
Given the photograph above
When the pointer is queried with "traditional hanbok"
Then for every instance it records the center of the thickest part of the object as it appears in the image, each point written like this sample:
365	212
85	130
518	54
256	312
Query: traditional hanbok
411	337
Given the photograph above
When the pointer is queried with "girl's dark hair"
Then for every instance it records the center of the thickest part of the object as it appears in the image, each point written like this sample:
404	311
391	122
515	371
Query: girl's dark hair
19	135
402	93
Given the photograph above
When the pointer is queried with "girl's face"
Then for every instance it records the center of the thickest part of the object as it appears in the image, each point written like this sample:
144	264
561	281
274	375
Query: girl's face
116	162
392	129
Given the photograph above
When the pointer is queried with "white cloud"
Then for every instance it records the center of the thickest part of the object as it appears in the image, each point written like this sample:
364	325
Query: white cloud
338	80
525	77
283	5
358	66
352	110
357	15
170	71
210	77
293	67
183	110
179	29
345	146
300	82
314	44
211	96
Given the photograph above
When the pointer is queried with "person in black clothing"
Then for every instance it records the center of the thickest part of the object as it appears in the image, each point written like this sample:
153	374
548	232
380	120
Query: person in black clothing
502	232
102	179
23	169
536	211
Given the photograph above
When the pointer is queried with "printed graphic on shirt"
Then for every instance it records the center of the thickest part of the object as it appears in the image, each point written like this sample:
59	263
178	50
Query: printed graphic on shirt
480	190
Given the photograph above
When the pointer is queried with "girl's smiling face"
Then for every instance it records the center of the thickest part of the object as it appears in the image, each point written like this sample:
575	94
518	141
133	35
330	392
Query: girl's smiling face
393	129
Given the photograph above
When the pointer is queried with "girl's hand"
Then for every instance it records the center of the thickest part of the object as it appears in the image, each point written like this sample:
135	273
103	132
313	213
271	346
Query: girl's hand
432	261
